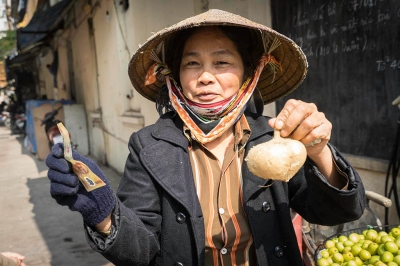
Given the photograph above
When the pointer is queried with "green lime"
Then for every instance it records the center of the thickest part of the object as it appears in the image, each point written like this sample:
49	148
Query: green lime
387	256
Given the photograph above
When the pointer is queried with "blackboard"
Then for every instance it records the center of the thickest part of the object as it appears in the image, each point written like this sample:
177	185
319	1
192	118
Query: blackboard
353	52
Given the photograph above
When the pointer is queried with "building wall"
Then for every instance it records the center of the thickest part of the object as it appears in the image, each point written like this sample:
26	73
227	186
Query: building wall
42	92
63	90
3	16
46	81
85	74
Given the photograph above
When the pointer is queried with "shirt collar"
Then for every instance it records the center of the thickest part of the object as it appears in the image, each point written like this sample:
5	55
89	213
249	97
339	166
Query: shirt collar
241	128
242	132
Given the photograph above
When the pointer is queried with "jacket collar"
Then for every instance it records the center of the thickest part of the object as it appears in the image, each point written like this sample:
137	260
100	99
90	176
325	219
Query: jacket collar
169	127
170	124
259	125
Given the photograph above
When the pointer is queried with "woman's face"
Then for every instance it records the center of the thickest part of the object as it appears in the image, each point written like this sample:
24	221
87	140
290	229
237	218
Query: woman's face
211	69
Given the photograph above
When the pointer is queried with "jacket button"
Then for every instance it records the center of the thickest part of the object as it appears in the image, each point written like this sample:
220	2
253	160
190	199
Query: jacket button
278	252
266	206
178	264
180	218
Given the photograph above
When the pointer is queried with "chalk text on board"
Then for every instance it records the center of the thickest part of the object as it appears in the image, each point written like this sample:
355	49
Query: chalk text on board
387	63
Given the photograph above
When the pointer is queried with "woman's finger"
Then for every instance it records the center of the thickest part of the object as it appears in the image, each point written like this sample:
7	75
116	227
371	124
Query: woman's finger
58	164
271	122
70	180
58	150
293	114
320	134
307	125
284	114
57	190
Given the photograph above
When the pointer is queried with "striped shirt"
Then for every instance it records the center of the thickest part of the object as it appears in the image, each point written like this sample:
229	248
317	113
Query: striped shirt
219	189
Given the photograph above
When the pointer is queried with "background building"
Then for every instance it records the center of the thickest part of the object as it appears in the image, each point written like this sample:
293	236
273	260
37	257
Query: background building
5	22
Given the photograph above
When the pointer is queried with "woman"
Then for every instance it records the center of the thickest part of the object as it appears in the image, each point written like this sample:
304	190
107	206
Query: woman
186	196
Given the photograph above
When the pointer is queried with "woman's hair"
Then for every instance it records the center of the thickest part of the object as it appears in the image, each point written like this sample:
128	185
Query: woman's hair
246	41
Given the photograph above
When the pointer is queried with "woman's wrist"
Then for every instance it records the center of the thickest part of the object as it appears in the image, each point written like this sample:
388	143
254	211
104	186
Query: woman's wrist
322	159
105	225
325	164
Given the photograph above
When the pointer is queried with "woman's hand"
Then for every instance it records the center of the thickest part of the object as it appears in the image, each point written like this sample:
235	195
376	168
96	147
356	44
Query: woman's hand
16	257
302	121
96	205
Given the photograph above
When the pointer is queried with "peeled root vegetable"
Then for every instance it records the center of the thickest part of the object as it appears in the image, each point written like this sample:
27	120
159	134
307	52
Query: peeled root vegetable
277	159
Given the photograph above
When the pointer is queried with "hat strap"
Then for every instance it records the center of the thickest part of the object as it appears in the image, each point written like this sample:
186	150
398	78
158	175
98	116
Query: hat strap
159	69
269	46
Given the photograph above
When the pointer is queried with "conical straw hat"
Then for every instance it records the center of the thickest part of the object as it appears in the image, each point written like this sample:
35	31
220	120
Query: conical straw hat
272	86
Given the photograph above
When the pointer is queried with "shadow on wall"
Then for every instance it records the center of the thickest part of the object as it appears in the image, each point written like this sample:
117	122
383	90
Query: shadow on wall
61	229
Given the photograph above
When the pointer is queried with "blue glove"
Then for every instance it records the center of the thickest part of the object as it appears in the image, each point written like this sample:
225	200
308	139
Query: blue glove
66	189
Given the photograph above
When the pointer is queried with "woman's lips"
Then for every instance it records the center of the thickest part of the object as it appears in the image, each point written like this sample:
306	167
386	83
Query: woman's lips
207	96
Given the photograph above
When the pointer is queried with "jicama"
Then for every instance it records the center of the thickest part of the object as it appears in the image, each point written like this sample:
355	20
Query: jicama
277	159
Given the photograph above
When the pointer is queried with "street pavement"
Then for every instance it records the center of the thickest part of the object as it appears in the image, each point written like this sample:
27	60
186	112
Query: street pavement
31	222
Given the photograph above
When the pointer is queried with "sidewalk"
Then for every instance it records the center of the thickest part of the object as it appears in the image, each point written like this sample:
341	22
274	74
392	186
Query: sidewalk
31	222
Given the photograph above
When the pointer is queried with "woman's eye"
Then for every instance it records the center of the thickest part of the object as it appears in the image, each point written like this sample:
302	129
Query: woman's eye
192	63
222	63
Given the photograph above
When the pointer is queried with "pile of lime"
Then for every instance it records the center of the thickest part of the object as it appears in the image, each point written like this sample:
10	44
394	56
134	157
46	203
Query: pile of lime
372	248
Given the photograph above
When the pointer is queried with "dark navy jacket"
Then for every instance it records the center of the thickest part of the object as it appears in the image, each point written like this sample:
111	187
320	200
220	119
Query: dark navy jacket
160	218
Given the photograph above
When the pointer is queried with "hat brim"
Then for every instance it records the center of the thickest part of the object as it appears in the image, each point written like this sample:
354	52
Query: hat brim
272	85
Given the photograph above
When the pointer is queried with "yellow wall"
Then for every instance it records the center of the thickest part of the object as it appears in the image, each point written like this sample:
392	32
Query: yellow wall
45	78
84	64
63	86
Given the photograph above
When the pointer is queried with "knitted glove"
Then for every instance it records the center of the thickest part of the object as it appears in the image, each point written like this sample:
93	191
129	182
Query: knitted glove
66	189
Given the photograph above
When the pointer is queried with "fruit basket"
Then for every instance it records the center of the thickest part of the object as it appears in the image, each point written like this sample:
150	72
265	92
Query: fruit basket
362	231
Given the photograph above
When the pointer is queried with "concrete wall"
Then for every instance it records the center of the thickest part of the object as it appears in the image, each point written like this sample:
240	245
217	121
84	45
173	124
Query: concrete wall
85	73
46	80
5	23
63	80
46	83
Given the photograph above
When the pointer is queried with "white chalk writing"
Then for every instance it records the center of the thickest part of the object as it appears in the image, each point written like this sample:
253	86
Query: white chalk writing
349	27
387	63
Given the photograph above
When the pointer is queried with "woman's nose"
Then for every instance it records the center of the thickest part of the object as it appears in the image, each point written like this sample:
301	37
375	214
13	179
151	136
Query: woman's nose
206	78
